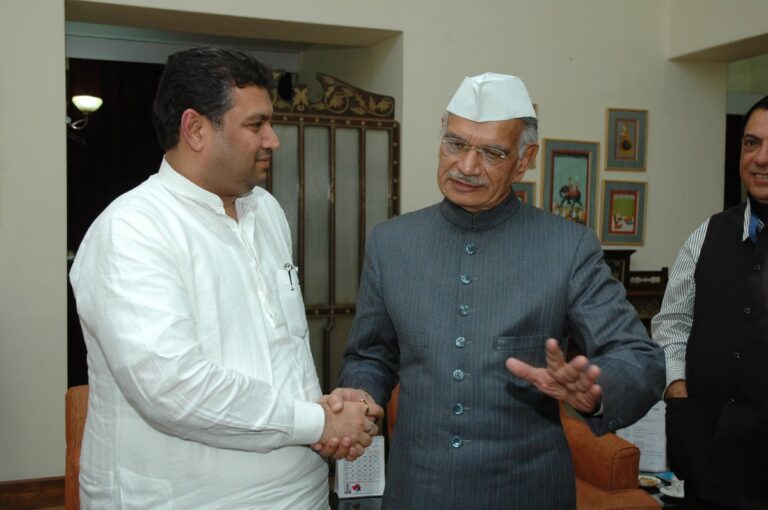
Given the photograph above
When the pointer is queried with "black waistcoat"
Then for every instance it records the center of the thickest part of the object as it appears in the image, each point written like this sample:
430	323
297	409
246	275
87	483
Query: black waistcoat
727	357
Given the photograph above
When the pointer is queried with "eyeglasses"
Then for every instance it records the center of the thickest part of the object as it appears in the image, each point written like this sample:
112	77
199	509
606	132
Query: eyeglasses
458	147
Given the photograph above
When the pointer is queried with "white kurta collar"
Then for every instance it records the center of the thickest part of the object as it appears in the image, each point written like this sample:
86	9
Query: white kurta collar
172	180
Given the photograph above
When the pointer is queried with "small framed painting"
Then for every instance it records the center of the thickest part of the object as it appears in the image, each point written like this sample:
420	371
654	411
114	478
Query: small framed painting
525	192
626	139
623	212
570	179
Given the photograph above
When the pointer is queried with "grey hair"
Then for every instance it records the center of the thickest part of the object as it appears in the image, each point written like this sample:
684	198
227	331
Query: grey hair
529	135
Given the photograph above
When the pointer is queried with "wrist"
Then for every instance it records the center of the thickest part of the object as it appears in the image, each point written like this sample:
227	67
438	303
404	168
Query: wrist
676	389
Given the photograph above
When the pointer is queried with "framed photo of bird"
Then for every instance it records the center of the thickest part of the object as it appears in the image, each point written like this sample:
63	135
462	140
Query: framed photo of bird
626	144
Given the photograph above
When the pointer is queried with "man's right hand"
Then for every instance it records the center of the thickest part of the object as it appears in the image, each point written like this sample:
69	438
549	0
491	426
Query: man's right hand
349	423
677	389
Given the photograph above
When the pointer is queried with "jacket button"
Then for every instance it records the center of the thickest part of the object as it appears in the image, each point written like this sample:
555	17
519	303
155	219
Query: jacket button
456	441
466	278
458	375
757	267
464	310
736	355
470	248
461	342
747	310
457	409
731	401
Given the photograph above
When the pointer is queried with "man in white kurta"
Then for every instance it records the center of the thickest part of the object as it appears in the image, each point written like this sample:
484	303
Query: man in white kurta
203	392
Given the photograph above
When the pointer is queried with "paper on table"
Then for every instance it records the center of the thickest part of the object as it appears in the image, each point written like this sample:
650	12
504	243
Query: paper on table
364	476
649	435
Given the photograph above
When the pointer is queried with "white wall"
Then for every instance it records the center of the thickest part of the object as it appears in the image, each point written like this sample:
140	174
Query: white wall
709	28
577	58
33	230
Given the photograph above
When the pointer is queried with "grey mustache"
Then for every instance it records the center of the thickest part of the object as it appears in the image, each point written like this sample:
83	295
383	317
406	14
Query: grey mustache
467	179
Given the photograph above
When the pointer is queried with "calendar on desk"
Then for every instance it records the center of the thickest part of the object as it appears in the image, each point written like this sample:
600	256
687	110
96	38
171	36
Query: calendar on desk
364	476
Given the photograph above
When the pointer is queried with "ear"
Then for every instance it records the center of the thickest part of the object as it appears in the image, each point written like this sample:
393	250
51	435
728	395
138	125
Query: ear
524	162
192	129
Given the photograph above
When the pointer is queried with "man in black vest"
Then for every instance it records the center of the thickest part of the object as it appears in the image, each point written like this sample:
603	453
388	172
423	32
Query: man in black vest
713	326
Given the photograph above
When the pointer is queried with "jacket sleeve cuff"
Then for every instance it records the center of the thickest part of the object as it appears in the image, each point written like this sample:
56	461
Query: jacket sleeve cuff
308	422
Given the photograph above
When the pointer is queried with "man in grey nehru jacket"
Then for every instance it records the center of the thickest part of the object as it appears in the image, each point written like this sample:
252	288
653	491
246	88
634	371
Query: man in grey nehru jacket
464	304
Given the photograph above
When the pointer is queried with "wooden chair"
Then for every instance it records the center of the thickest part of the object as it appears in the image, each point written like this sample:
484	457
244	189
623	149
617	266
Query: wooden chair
606	467
646	292
76	408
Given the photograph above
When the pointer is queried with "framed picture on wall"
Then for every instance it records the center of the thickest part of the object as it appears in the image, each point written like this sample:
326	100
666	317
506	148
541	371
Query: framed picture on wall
570	179
525	192
626	144
623	215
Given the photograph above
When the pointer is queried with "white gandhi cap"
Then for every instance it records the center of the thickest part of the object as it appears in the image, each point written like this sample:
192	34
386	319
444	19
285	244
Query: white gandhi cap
490	96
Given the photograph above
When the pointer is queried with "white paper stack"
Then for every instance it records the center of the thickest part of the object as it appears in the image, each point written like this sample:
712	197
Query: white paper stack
649	435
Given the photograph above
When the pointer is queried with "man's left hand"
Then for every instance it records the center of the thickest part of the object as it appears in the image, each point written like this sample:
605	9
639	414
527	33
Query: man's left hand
574	382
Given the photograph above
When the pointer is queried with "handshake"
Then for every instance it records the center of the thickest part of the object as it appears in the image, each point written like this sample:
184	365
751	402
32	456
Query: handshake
351	417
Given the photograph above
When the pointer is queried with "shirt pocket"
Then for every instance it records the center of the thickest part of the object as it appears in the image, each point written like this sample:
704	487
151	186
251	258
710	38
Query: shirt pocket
528	349
291	300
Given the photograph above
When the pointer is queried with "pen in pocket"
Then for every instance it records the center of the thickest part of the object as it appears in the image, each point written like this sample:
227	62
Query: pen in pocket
289	267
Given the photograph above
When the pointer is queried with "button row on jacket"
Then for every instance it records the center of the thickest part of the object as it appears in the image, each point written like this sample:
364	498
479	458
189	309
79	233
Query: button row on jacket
461	342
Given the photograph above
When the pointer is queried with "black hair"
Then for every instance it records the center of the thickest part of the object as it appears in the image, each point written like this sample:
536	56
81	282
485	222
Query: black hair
202	79
760	105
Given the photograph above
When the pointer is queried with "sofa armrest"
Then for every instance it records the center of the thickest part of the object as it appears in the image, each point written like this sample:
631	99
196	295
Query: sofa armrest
589	497
76	405
607	462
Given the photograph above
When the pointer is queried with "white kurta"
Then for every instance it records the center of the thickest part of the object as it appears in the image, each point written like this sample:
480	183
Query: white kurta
202	385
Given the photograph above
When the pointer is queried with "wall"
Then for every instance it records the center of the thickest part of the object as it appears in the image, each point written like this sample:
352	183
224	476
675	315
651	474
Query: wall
749	76
577	59
32	240
713	29
573	78
747	83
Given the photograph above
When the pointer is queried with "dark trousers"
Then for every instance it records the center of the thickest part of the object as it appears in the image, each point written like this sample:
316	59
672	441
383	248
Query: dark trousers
698	453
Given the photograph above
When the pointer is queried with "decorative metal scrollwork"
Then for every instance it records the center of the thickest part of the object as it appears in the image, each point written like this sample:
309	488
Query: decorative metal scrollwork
338	99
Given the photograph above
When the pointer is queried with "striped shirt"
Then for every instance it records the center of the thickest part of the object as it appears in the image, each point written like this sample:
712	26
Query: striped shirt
671	327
